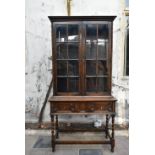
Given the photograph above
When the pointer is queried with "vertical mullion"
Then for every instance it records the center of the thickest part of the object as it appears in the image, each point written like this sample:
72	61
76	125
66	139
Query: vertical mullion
80	60
109	56
54	67
67	61
97	59
84	58
107	62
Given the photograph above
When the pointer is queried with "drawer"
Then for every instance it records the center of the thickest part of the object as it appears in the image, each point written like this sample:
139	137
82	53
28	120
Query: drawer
81	106
96	106
65	106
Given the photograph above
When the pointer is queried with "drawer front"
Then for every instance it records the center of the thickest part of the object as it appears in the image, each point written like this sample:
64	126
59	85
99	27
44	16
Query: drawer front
64	106
82	106
97	106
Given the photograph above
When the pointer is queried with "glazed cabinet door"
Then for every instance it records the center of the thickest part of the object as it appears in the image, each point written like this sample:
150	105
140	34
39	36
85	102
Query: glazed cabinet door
97	42
66	38
82	57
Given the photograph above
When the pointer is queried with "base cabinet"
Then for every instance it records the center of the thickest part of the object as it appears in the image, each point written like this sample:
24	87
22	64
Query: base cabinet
83	106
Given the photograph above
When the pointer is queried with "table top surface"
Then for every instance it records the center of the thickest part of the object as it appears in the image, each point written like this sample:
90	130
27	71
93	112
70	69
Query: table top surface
81	98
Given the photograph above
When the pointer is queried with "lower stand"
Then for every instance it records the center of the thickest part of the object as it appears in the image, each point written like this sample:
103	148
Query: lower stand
112	138
53	133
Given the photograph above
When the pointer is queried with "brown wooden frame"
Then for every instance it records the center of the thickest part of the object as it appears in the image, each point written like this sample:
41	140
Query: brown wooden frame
82	103
81	20
54	58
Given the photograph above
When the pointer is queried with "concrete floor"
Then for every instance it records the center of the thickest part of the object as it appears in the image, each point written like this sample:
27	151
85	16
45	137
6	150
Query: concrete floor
121	148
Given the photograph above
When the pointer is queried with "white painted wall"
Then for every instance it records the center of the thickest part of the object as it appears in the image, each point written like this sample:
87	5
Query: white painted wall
38	49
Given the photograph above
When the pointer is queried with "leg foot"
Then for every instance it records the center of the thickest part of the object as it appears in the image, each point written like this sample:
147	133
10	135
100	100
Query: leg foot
106	128
53	141
57	127
53	148
112	139
53	133
112	145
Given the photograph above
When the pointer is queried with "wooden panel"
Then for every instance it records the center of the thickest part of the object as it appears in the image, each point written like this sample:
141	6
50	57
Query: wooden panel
81	106
82	65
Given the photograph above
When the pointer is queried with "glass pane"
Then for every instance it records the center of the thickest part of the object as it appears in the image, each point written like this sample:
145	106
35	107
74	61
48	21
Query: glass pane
61	51
90	67
73	50
102	50
102	84
73	31
102	67
73	67
91	33
91	49
62	84
103	32
61	33
73	84
61	67
91	84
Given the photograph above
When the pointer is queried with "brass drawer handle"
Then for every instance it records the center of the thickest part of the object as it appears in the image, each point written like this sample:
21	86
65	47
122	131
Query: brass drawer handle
91	107
72	107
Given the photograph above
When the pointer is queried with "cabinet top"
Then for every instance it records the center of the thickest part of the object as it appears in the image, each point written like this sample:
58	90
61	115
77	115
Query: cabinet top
82	98
81	18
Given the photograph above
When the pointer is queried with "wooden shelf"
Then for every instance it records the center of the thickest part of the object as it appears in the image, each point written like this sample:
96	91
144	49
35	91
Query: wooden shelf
82	98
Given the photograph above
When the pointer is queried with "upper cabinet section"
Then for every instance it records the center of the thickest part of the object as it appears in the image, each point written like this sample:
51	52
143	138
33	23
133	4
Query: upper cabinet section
82	55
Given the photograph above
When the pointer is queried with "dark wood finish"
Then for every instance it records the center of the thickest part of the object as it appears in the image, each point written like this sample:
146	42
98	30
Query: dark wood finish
106	128
112	136
81	61
81	106
82	113
111	140
57	127
53	133
82	142
81	18
82	78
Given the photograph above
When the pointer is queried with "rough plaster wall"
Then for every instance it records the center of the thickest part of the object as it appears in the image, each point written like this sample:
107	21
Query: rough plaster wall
38	49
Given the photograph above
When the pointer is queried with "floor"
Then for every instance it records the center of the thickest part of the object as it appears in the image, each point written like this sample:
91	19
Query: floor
32	137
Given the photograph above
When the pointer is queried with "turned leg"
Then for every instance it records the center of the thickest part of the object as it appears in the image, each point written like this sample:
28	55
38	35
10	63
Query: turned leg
53	134
106	127
57	127
112	136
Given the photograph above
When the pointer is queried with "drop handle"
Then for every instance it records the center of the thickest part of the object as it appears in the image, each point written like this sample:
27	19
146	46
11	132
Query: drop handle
72	108
92	106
